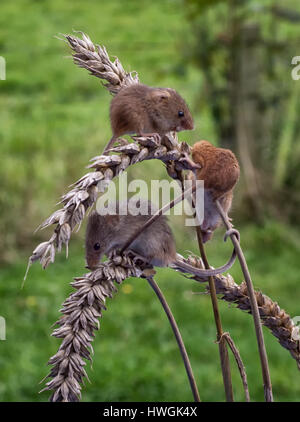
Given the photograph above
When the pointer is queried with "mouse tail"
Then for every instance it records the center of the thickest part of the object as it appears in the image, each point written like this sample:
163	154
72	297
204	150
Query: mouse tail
184	267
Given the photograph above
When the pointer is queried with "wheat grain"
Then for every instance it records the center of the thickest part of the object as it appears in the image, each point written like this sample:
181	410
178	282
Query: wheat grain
81	312
96	60
272	316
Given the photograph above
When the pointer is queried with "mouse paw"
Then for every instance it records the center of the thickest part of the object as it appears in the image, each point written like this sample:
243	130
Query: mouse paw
136	258
140	260
155	136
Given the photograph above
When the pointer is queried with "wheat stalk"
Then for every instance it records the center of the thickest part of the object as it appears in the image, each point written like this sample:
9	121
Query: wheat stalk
272	316
239	362
234	236
178	337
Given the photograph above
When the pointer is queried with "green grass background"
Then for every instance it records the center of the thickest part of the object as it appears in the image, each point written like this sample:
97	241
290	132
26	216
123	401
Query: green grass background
53	118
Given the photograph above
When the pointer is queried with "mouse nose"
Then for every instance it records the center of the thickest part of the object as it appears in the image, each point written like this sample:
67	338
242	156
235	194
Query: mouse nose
206	235
92	263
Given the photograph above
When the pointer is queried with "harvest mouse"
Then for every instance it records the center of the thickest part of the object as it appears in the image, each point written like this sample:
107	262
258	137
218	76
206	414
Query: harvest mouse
155	244
143	110
220	171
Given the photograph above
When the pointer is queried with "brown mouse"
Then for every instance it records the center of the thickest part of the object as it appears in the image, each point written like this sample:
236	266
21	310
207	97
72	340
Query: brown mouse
220	171
143	110
155	244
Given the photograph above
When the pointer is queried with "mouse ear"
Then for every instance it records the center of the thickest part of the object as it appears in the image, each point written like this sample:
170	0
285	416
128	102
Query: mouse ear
160	94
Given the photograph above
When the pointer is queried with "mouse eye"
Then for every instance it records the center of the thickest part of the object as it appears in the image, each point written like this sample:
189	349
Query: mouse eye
97	246
180	113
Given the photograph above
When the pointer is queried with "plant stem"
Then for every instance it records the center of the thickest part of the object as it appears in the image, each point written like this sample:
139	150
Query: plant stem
224	358
240	364
254	308
178	337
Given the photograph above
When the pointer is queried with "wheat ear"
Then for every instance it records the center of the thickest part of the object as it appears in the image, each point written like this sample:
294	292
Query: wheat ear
81	311
277	320
96	60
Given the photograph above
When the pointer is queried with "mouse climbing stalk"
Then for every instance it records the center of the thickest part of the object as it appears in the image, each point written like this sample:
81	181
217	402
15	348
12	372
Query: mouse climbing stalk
220	172
155	244
146	111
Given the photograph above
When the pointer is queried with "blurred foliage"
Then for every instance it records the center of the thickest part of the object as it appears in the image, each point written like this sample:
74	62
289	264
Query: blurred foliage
244	49
54	117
